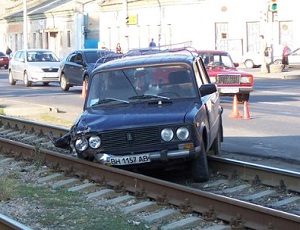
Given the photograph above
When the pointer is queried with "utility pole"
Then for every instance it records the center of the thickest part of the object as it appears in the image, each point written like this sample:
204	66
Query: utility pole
25	42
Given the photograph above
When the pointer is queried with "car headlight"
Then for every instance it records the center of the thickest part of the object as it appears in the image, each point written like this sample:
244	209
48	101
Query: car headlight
245	80
81	144
95	142
167	134
182	133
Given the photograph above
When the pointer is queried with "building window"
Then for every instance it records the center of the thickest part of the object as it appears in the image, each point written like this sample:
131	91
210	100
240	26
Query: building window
68	39
253	39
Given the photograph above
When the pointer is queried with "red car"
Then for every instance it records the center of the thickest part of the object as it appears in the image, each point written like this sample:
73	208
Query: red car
223	73
4	60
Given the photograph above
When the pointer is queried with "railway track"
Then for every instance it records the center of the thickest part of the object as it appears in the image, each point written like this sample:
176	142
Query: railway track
240	195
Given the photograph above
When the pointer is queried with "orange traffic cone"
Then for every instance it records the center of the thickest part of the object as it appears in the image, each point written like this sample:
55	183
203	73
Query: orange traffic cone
235	110
246	115
83	91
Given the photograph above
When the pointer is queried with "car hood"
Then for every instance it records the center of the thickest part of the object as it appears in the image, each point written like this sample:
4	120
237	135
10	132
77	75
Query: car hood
44	64
135	115
214	71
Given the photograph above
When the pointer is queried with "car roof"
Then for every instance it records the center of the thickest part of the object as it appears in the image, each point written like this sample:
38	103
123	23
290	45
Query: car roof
47	50
151	59
92	49
212	51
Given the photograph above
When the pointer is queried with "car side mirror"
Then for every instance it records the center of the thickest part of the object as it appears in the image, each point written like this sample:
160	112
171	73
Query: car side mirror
236	64
207	89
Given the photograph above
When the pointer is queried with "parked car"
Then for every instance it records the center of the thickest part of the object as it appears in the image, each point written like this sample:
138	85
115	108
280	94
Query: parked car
4	60
150	112
223	72
79	64
33	65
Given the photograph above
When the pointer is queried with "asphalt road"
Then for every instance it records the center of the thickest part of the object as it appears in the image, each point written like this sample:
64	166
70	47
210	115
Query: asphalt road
272	131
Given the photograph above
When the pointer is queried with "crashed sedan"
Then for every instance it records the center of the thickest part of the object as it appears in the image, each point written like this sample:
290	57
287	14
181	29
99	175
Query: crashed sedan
151	111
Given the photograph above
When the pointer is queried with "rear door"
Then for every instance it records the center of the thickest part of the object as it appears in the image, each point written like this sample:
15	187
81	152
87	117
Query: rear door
211	101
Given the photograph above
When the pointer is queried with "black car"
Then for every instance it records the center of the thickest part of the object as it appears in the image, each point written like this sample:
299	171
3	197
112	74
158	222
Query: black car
150	112
78	65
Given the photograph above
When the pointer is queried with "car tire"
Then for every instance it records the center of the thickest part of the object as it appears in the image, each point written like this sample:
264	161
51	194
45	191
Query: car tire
27	83
45	83
63	83
215	149
243	97
249	63
11	79
200	166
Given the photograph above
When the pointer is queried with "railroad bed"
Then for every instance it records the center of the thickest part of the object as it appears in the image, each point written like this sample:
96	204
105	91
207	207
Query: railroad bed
239	195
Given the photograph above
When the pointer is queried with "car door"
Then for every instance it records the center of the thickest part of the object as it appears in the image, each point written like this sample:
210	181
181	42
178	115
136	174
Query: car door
78	68
211	101
17	65
72	70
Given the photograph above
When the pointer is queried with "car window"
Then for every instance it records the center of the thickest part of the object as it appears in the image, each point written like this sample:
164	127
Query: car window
217	59
41	56
72	58
142	83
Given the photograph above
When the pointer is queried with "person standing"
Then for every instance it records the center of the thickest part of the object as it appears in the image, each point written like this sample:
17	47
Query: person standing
118	49
263	49
152	43
285	56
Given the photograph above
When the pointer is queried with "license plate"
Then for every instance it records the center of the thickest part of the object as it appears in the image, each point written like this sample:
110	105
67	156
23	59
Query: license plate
229	90
128	160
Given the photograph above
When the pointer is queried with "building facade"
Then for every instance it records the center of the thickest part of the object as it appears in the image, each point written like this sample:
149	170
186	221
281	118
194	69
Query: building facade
231	25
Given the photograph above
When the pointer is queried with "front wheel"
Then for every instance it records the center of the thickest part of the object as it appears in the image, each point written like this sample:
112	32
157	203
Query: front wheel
27	83
200	166
11	78
243	97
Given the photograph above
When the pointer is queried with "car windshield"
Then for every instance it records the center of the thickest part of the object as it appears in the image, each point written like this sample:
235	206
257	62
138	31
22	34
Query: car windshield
141	84
41	56
93	55
217	59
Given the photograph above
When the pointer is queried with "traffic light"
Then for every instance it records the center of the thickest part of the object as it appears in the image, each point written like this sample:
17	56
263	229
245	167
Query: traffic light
273	5
127	20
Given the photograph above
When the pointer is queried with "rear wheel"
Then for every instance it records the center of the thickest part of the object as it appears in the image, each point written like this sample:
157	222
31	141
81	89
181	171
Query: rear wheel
216	146
249	63
26	81
200	166
11	78
63	83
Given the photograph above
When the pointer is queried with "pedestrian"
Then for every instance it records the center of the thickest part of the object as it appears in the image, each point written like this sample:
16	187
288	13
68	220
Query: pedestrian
263	54
152	43
118	49
285	56
8	51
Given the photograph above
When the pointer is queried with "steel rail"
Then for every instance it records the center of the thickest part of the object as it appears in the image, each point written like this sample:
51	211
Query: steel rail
225	208
275	177
7	223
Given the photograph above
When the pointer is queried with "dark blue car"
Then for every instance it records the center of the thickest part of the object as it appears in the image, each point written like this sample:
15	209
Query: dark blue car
150	111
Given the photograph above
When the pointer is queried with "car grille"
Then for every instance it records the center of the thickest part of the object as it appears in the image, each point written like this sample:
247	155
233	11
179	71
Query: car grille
228	79
130	138
50	70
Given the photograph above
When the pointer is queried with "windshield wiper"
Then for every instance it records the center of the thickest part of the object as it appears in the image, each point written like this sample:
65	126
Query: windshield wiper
148	96
108	100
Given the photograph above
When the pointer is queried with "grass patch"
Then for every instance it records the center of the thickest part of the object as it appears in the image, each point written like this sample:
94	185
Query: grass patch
61	209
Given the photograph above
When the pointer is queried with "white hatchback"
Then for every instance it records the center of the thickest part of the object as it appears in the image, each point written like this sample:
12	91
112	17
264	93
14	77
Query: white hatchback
33	65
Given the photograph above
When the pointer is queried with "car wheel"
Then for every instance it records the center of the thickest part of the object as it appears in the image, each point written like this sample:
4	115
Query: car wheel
249	63
81	156
63	83
216	146
11	78
45	83
200	166
26	81
243	97
278	62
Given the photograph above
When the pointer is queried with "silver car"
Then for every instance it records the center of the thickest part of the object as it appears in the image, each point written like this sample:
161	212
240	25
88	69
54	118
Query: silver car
33	65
